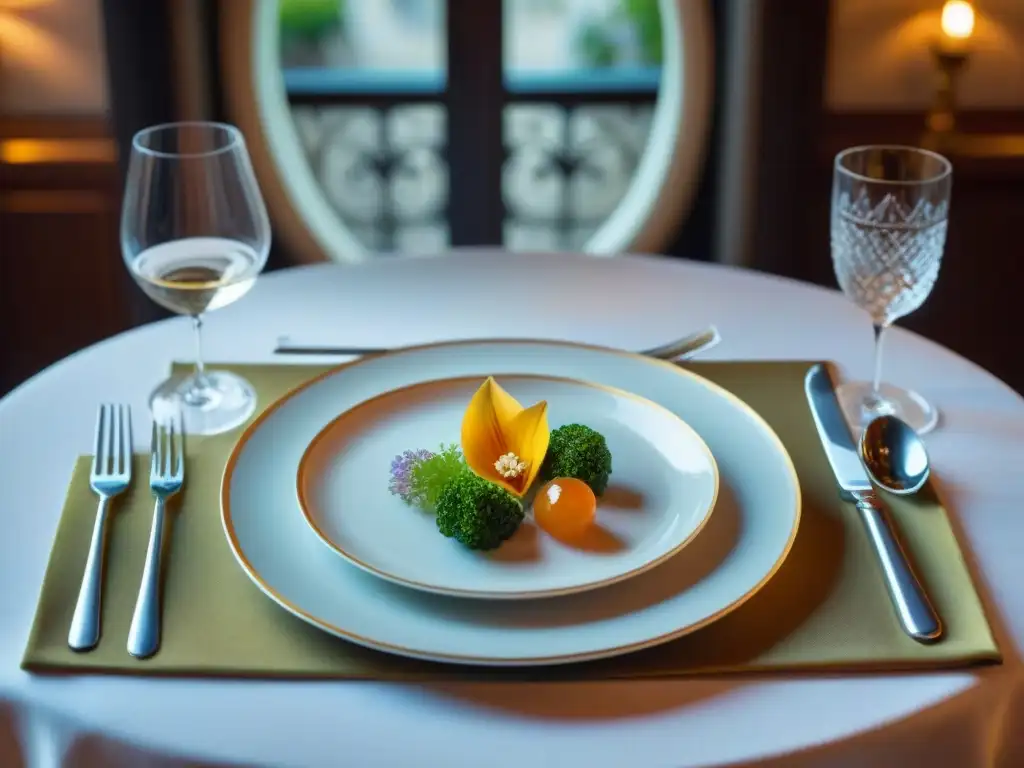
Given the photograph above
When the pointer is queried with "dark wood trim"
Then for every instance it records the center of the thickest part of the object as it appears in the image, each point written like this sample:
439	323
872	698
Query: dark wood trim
59	206
992	141
695	238
912	122
55	127
141	87
139	68
61	177
210	20
794	43
57	153
475	97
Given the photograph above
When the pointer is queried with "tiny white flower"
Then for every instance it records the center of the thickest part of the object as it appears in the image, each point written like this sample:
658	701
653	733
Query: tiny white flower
510	466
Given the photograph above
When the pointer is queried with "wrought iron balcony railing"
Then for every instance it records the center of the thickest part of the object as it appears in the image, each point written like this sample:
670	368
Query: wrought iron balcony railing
405	156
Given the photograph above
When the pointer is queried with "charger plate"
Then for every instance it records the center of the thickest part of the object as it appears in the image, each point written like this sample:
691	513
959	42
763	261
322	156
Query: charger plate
759	500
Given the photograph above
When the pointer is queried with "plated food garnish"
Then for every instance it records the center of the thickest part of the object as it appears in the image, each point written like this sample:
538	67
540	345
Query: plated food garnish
509	462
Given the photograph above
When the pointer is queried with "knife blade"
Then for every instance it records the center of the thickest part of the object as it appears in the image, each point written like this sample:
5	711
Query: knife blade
914	609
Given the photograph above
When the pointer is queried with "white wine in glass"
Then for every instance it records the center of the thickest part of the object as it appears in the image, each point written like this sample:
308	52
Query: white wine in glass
196	274
195	235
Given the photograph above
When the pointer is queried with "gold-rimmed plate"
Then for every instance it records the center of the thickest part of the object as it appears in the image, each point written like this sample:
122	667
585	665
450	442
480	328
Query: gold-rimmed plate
662	491
743	544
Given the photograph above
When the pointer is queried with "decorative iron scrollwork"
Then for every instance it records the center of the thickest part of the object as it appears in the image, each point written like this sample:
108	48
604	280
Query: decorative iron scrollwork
383	170
567	169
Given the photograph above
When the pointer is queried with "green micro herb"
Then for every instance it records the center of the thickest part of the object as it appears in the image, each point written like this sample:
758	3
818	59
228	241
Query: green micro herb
428	477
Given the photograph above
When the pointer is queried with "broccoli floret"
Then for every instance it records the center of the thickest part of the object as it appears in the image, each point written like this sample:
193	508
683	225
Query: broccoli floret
581	452
476	512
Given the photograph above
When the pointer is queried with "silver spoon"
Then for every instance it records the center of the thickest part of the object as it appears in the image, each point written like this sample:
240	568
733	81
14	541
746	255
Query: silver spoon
895	458
894	455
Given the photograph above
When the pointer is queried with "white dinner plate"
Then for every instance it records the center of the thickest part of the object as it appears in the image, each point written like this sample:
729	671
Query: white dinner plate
741	547
661	491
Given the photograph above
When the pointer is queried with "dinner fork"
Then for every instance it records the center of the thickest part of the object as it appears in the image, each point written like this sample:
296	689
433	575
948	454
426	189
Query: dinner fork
166	476
677	350
110	475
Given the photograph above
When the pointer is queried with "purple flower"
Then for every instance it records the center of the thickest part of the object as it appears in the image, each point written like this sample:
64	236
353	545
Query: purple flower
401	473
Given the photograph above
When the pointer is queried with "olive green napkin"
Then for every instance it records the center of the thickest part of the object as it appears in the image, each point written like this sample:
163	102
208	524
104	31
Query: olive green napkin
826	608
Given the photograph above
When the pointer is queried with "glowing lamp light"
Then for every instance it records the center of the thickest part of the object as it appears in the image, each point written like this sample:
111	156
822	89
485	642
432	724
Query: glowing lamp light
951	52
958	19
957	24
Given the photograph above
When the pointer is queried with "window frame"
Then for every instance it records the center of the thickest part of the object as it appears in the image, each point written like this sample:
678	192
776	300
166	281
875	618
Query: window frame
647	219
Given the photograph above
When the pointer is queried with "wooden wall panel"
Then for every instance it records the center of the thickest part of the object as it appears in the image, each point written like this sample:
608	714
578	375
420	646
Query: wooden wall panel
61	274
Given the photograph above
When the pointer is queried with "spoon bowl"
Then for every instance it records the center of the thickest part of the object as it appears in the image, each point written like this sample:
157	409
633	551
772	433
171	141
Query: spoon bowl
894	455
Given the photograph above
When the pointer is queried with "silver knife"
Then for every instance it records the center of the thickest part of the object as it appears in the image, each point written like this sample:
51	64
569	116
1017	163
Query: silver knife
915	611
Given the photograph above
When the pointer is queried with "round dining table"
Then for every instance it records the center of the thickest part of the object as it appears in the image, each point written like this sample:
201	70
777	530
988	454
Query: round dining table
971	717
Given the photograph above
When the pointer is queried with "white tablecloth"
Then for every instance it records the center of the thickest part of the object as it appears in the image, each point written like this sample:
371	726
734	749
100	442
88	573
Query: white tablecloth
955	718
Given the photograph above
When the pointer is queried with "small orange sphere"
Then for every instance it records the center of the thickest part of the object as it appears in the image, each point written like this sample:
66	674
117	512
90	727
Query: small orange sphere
565	507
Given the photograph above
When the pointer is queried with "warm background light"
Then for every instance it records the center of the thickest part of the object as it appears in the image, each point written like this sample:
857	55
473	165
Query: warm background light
882	55
51	57
958	19
36	151
20	5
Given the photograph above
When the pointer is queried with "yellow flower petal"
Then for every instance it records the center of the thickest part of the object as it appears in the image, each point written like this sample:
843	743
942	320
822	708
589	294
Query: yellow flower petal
482	438
504	405
527	437
495	424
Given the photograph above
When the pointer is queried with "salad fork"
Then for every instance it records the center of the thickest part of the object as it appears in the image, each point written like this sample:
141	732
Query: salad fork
166	476
110	475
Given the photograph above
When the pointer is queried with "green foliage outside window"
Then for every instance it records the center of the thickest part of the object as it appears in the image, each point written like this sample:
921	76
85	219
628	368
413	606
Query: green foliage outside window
598	40
595	46
647	20
310	20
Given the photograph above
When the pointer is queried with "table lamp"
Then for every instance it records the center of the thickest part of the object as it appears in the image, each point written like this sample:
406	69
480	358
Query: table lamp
951	51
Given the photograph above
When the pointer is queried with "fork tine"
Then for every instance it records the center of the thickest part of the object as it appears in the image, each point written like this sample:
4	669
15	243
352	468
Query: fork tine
113	425
154	450
115	438
179	450
98	449
108	446
126	438
168	430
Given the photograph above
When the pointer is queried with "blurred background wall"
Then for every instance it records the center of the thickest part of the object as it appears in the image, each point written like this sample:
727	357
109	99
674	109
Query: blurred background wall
52	55
878	55
851	72
52	59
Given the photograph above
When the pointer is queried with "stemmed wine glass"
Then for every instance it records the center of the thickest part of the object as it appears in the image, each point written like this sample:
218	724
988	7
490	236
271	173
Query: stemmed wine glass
195	235
889	210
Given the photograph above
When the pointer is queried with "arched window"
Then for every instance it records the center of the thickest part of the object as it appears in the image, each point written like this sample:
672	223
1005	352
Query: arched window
417	125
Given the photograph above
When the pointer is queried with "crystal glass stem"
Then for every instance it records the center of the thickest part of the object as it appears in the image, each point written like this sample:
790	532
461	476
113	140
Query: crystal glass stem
197	325
195	394
875	399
